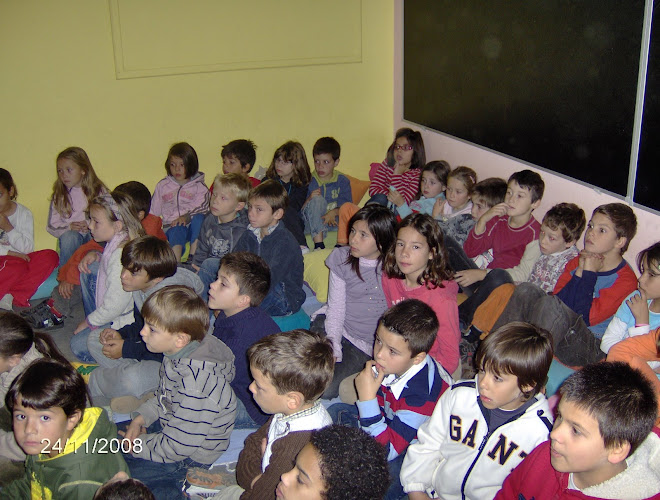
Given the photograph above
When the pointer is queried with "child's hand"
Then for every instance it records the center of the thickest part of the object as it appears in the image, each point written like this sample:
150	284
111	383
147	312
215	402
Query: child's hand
314	194
418	495
23	256
395	197
639	308
499	210
134	430
179	221
367	383
83	267
80	226
65	290
81	327
438	207
330	219
5	224
113	348
469	276
109	334
590	262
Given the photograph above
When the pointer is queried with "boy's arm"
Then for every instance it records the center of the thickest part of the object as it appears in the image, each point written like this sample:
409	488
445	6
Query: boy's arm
533	470
133	346
477	243
521	272
345	195
249	460
423	456
19	488
69	272
202	251
282	460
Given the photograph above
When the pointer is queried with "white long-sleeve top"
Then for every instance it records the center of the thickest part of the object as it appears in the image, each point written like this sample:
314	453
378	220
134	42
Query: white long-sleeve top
117	306
21	238
623	326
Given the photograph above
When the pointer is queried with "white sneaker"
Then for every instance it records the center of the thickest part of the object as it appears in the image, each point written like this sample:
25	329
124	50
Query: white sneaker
6	302
304	250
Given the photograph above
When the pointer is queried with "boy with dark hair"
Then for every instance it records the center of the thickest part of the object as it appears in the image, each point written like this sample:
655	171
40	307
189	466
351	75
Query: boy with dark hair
602	445
542	263
189	421
238	157
482	428
397	391
507	228
339	463
587	294
272	241
222	227
242	283
290	370
127	369
328	190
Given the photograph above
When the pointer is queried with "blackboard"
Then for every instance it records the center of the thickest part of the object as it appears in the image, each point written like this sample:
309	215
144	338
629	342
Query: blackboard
551	83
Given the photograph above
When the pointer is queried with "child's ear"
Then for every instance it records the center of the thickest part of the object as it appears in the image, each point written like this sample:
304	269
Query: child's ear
419	358
141	215
294	400
278	214
118	226
569	244
336	162
618	453
621	242
536	204
240	206
73	420
182	340
243	301
246	168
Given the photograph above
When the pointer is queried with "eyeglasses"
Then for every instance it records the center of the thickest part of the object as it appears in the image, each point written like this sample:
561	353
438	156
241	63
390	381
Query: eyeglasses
282	161
399	147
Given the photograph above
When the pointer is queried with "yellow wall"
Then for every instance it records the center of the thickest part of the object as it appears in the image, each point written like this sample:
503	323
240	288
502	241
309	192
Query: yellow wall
59	88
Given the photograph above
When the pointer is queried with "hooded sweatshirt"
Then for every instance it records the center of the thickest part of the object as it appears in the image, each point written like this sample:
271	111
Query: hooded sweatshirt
171	200
217	239
91	456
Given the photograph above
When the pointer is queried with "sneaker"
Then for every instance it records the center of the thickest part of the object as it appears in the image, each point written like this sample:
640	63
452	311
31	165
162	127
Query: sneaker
44	316
203	481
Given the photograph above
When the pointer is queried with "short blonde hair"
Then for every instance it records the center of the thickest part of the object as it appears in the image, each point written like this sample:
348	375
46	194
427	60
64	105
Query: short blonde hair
177	309
238	184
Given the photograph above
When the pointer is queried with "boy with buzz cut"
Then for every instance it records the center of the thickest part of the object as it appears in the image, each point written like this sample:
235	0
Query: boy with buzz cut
542	263
482	428
222	227
507	228
290	370
243	282
238	157
602	446
189	421
127	369
587	294
399	388
328	190
273	242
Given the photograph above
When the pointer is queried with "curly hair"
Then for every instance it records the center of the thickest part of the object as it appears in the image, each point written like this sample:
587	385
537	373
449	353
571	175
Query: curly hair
352	463
437	270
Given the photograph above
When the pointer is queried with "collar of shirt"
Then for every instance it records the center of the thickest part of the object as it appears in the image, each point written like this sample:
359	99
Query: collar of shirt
398	384
257	231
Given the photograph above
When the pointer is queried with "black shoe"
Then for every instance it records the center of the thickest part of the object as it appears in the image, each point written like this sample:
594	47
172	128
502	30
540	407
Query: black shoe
44	316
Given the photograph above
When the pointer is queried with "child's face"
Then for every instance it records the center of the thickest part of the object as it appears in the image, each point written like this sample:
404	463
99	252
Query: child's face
231	165
403	151
265	394
7	363
519	200
69	172
577	446
479	207
552	240
412	253
261	215
304	481
38	431
134	281
325	165
392	353
178	169
224	204
649	280
100	225
362	242
158	340
500	391
457	194
5	198
284	169
600	236
224	293
431	185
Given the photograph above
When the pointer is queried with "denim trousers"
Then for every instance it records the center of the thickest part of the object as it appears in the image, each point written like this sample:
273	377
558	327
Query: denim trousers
276	302
79	347
165	480
495	278
208	273
180	235
313	214
88	287
69	242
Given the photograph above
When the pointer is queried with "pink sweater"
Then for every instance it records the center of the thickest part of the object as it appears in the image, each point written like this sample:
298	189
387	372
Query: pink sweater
443	302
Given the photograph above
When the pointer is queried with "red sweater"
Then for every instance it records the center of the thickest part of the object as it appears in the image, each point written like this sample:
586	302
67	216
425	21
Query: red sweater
508	244
407	183
443	302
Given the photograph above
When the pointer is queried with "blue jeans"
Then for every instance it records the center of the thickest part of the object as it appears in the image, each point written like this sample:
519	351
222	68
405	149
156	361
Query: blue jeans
344	414
208	273
79	345
494	279
69	243
276	302
313	216
88	288
243	418
180	235
165	480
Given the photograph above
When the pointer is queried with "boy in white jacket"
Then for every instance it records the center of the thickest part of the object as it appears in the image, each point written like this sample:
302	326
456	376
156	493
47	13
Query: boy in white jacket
482	429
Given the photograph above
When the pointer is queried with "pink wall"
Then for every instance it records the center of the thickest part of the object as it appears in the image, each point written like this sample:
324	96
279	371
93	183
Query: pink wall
489	164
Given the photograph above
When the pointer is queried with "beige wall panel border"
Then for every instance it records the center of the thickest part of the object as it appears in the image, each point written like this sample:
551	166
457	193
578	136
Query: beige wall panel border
171	37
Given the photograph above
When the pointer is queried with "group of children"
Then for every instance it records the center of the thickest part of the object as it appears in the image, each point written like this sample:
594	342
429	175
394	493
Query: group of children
390	343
